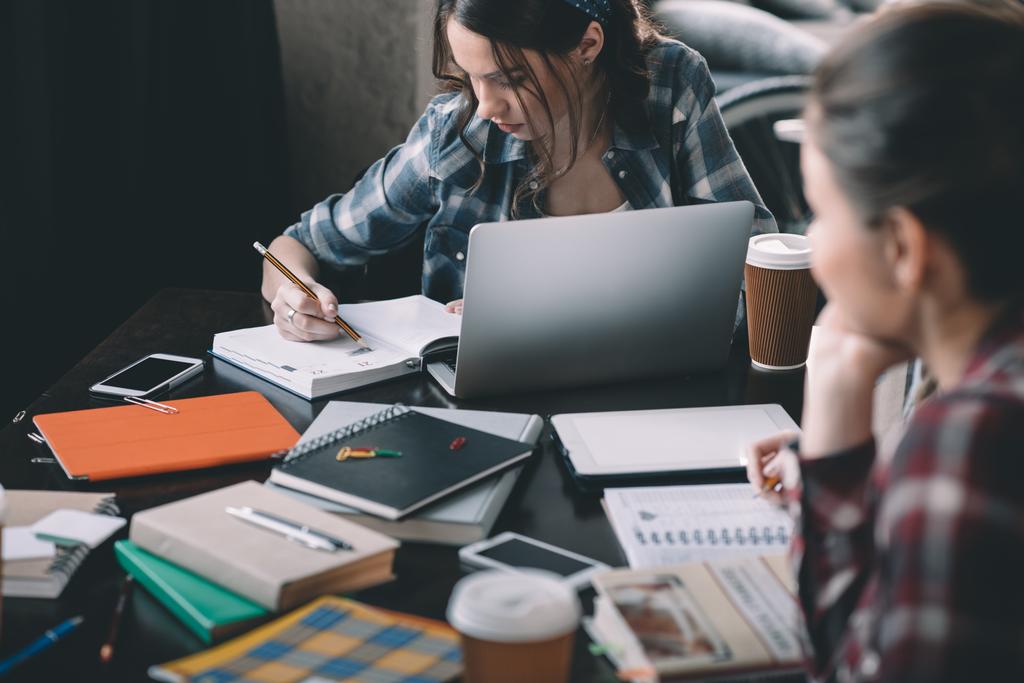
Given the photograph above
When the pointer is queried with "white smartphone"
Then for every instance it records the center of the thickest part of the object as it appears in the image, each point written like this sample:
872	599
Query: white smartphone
149	376
511	552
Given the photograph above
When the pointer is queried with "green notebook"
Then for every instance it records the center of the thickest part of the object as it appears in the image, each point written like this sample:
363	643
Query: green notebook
209	611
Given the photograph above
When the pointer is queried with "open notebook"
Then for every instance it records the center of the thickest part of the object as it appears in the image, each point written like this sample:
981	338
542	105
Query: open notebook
399	331
46	578
660	525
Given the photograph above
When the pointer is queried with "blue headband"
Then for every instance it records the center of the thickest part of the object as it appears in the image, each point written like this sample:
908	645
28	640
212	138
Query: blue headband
599	10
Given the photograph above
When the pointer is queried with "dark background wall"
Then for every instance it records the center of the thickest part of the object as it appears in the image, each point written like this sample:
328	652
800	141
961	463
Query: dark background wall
356	77
147	143
142	145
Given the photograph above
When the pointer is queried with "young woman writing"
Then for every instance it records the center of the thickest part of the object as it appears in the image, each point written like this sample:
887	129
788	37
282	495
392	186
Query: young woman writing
554	107
910	568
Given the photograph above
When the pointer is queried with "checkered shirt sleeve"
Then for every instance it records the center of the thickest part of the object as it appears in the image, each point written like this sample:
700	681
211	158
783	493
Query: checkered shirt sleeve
914	573
394	197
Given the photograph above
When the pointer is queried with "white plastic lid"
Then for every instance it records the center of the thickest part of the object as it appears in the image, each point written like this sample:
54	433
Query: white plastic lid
780	251
513	607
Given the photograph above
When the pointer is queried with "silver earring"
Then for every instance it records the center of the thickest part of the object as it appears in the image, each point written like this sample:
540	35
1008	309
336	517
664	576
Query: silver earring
586	62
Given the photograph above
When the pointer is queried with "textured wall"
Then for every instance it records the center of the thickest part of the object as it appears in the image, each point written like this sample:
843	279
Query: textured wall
356	77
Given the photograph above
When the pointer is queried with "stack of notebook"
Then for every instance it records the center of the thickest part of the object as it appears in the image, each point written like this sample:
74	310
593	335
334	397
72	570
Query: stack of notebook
210	611
432	492
47	577
220	573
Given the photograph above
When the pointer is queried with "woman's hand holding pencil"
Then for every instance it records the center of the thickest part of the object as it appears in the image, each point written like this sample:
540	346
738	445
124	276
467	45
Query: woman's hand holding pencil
772	466
305	311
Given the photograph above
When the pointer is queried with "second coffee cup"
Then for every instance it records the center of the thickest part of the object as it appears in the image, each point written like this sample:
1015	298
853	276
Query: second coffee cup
781	299
515	627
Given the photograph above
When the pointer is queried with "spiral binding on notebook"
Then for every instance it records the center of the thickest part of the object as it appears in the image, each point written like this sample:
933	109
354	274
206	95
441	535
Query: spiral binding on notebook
391	414
68	559
723	537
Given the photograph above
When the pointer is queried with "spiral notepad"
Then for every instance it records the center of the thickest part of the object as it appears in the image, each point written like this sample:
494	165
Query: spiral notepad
660	525
428	470
46	578
387	415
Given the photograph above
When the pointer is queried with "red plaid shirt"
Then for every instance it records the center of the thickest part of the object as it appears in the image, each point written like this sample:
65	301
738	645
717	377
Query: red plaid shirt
915	571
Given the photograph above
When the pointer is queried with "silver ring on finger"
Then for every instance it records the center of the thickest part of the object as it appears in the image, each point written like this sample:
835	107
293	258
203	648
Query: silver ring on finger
291	314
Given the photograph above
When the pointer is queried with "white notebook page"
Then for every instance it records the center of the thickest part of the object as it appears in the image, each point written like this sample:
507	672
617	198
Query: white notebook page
661	525
265	349
410	323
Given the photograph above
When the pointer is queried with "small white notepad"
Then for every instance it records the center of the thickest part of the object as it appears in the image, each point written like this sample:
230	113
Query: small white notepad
21	544
75	526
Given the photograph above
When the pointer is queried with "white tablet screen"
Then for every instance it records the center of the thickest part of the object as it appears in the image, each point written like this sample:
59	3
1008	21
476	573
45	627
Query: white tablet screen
673	439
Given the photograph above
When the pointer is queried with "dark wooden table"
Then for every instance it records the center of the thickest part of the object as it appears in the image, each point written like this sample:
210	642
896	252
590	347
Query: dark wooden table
545	503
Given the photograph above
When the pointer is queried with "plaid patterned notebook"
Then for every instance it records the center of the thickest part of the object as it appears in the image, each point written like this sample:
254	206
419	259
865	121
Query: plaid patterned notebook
330	639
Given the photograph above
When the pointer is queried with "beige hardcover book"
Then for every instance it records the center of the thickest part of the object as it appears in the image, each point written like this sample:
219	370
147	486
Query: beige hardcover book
263	565
47	578
702	619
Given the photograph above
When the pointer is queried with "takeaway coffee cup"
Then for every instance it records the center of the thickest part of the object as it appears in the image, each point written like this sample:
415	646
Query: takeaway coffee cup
781	297
515	626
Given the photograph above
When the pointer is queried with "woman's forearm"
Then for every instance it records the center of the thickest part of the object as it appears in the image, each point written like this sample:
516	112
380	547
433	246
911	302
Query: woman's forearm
837	415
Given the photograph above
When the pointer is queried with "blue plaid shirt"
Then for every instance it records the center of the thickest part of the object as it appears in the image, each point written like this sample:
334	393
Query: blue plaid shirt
685	157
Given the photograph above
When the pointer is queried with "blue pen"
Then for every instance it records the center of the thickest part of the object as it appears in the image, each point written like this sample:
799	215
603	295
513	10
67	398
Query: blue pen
51	637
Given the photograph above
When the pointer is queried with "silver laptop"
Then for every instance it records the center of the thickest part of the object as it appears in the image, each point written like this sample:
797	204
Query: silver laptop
575	300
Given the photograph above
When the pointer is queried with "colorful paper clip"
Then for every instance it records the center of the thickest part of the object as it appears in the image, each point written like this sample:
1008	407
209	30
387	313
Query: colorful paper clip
347	452
457	443
152	405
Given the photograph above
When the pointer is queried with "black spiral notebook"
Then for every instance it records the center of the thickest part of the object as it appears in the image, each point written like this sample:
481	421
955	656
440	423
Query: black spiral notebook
437	458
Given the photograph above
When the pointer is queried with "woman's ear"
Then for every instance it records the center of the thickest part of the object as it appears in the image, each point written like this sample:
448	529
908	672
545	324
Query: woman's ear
591	43
906	249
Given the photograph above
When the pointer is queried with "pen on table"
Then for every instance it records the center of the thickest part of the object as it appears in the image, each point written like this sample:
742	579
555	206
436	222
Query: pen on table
43	642
265	253
107	650
293	531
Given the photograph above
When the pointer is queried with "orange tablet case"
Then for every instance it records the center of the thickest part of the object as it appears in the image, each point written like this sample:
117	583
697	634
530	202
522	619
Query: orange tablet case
126	441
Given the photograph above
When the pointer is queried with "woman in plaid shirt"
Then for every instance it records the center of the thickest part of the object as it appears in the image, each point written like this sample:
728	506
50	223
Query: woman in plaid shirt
911	569
555	107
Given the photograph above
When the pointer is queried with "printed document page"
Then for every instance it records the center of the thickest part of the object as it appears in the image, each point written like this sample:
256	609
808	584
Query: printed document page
659	525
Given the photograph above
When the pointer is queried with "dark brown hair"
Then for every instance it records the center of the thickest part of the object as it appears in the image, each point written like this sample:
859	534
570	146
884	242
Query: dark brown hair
923	108
553	28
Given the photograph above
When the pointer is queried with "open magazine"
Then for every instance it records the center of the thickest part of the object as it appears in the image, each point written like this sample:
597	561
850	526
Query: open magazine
705	619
